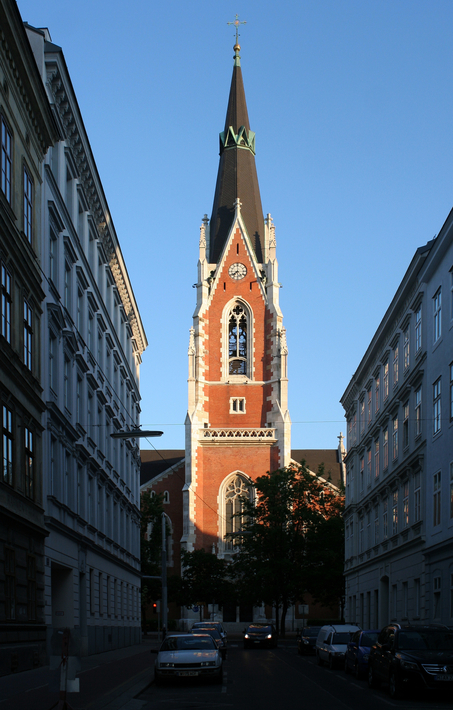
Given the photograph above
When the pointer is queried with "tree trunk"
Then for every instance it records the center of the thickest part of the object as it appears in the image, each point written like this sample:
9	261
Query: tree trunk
283	619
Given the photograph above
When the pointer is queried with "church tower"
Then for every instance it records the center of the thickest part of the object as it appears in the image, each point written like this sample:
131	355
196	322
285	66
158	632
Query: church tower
238	425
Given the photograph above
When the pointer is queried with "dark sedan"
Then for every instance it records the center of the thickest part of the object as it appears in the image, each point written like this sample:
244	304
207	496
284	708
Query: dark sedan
260	635
306	642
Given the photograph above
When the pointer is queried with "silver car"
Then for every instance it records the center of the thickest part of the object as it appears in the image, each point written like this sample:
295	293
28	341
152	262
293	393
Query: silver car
188	656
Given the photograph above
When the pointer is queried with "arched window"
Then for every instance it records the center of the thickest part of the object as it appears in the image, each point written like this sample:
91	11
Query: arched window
237	340
235	491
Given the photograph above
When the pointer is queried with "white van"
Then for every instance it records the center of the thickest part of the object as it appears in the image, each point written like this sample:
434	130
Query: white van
332	643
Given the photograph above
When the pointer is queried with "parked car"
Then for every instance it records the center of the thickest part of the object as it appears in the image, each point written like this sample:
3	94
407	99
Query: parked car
188	656
260	635
332	642
358	652
214	632
217	624
412	657
306	642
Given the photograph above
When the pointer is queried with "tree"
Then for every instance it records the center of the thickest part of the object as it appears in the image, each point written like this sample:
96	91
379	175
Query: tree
279	530
205	579
151	508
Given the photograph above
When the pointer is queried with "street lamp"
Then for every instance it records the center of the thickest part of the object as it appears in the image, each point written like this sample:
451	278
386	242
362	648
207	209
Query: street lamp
135	434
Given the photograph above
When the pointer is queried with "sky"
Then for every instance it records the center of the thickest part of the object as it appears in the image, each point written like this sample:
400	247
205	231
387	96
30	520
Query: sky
352	104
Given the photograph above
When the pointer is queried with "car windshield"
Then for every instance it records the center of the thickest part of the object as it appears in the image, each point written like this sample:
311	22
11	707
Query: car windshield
310	632
425	639
188	643
341	638
208	630
259	629
369	639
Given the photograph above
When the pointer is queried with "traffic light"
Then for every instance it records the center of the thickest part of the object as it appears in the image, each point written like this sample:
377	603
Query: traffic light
154	608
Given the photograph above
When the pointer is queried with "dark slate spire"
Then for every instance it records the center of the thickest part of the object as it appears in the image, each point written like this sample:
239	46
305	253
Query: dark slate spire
237	176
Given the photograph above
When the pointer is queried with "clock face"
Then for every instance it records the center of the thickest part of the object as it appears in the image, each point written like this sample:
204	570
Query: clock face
237	271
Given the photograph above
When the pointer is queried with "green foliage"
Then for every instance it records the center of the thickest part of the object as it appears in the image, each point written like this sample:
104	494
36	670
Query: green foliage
151	508
280	558
205	579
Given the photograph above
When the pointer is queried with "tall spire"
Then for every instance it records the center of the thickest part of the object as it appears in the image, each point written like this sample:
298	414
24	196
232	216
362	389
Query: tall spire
237	177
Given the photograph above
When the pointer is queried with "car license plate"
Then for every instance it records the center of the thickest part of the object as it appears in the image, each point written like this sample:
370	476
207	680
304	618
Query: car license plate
444	677
256	642
186	673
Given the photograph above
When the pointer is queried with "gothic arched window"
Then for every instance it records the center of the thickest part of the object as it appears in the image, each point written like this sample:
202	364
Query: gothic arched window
237	341
235	491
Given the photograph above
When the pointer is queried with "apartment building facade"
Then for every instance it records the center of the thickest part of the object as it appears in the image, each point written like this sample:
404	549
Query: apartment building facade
399	463
92	342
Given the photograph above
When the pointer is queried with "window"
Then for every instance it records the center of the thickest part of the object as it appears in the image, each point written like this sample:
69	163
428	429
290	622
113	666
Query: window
368	468
395	438
362	466
235	491
237	405
385	448
418	411
395	365
67	383
6	304
166	498
7	445
406	425
437	595
376	525
31	587
361	540
7	158
394	512
385	520
437	315
53	256
436	499
28	205
368	397
417	497
376	458
52	362
28	335
406	349
417	597
377	384
406	505
418	329
386	381
436	406
451	491
10	584
29	465
362	416
451	391
237	341
67	285
451	595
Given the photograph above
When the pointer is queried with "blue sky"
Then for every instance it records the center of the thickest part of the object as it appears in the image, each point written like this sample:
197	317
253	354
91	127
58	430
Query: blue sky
352	104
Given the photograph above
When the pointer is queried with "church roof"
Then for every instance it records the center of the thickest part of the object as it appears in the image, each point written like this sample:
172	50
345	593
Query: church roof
155	462
237	176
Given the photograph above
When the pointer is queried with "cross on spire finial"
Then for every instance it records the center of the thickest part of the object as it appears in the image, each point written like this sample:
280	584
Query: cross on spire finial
236	23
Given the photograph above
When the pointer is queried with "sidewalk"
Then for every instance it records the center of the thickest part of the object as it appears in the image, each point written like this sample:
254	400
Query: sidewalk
108	681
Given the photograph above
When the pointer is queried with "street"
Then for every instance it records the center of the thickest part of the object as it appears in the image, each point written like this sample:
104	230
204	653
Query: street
274	678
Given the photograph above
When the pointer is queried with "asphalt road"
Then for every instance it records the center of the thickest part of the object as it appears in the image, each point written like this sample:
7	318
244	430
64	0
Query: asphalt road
280	678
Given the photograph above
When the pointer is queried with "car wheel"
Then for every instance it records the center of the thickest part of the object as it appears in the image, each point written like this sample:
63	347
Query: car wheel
373	682
158	678
219	678
357	671
346	667
320	661
331	663
394	686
